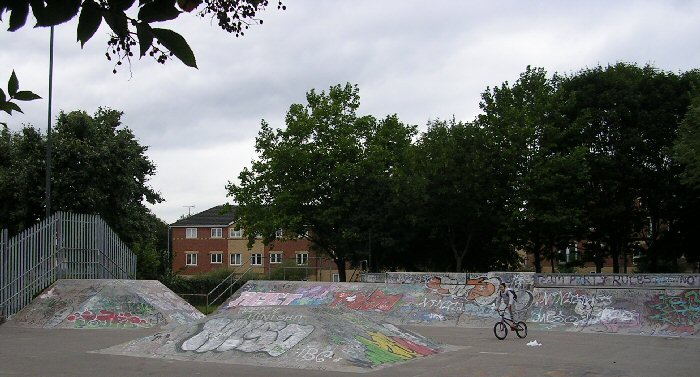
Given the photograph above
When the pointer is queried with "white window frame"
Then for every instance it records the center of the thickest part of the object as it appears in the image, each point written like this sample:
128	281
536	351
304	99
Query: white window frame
335	277
231	259
256	257
233	233
302	258
190	259
275	257
191	233
219	255
216	233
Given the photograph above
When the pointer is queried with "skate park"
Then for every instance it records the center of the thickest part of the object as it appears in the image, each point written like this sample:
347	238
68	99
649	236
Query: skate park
398	324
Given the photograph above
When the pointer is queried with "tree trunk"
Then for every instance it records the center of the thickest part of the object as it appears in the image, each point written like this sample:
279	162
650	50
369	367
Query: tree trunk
615	254
340	263
538	258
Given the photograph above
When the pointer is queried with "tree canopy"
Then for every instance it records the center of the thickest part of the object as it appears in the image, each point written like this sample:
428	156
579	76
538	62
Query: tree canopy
98	168
327	176
600	162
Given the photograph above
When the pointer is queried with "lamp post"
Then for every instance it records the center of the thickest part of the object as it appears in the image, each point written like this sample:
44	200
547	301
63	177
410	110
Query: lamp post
48	130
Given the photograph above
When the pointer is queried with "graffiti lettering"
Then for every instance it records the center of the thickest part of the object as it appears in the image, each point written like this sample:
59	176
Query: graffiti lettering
223	334
264	299
676	311
377	301
309	353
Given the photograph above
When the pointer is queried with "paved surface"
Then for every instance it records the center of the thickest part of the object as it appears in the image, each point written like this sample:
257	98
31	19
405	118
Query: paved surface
67	352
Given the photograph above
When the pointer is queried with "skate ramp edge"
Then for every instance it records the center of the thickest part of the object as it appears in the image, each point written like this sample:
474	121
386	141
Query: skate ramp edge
106	304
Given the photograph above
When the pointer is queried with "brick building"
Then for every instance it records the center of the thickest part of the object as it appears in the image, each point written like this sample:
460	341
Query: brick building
209	240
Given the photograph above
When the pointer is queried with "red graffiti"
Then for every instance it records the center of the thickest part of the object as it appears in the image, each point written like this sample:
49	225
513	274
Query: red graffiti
413	346
358	301
106	318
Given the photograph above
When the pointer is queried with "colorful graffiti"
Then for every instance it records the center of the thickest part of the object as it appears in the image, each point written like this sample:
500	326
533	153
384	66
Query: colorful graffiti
479	290
224	334
381	349
108	319
377	301
264	299
679	312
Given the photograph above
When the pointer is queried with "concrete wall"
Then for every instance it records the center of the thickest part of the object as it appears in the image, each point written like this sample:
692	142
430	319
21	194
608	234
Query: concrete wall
666	305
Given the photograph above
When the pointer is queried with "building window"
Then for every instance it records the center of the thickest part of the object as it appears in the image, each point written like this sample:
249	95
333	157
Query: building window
235	233
275	257
235	259
279	233
191	233
302	259
216	233
217	257
335	277
256	259
191	259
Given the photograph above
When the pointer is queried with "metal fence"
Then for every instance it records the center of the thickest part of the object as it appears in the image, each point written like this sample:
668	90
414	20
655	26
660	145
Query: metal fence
64	246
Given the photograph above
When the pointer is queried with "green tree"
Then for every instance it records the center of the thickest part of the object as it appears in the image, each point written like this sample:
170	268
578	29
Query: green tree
686	148
627	119
464	190
22	167
99	168
130	22
543	169
327	176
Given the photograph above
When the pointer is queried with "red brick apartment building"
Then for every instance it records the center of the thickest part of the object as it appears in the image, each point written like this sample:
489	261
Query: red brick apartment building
208	240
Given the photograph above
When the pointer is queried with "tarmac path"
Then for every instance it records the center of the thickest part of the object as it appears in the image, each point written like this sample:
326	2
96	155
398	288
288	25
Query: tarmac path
67	352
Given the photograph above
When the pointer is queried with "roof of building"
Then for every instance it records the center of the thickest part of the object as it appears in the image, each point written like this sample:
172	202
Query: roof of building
215	216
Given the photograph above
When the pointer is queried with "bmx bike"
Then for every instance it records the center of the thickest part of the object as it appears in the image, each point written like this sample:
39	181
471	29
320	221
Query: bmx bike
500	329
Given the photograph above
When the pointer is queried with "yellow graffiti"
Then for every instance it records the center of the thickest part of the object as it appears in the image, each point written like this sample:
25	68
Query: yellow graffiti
384	343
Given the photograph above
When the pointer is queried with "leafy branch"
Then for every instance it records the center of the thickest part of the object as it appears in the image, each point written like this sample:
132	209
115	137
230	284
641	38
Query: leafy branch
234	16
14	94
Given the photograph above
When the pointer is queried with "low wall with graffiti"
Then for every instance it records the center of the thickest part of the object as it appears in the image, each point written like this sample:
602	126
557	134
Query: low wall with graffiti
287	336
438	301
106	303
618	304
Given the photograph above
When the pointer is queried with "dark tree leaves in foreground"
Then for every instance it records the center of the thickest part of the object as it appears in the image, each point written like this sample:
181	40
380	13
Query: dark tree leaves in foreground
131	23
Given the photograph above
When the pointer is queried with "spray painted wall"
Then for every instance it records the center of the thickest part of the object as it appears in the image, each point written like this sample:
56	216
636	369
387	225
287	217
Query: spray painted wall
667	305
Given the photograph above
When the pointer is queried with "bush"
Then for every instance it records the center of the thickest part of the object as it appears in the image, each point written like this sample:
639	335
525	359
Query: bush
290	271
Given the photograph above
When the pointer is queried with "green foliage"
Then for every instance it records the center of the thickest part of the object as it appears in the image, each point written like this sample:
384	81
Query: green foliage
289	270
686	149
98	168
13	93
329	175
234	16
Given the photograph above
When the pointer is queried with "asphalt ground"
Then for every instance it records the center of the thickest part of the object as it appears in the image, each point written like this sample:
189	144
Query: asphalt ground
67	352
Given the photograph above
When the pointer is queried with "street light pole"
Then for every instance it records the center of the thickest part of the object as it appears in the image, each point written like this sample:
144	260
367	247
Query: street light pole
48	131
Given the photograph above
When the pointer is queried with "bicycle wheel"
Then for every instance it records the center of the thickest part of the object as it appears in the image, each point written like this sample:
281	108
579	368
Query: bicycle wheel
500	330
521	329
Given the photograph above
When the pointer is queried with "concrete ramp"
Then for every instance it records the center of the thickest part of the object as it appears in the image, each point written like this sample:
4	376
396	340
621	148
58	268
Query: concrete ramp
440	301
288	337
104	303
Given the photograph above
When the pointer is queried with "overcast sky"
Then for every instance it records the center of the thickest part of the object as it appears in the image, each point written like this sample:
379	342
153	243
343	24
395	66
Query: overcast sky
420	60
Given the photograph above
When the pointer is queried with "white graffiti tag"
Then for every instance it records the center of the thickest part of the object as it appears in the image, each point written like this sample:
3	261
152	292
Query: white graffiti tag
223	334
